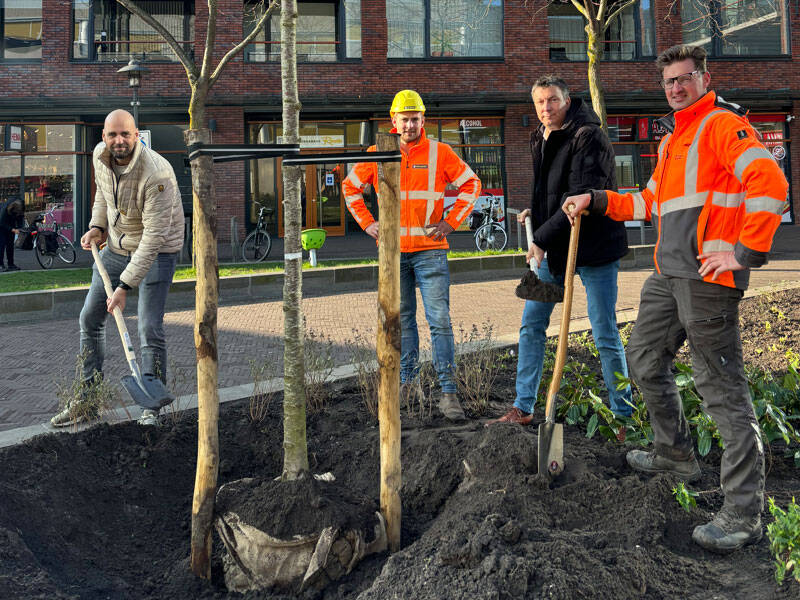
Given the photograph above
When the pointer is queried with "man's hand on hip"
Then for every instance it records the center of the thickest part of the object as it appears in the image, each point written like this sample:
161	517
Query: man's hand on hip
372	230
718	263
117	299
93	235
439	231
573	205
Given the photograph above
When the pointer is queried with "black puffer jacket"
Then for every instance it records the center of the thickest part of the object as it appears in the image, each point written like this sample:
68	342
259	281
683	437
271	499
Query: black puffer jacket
575	159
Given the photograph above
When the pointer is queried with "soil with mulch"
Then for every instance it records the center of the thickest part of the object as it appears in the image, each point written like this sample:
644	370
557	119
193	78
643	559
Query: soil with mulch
106	513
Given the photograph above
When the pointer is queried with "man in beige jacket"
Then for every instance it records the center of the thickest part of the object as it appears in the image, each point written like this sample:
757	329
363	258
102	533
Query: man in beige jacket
138	213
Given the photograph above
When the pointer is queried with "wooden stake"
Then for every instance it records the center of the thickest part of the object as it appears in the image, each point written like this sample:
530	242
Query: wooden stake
388	346
205	342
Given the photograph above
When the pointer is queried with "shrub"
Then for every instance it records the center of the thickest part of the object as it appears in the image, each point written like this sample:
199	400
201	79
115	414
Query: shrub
784	540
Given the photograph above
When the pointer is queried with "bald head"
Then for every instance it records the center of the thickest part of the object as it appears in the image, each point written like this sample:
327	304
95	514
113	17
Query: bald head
120	135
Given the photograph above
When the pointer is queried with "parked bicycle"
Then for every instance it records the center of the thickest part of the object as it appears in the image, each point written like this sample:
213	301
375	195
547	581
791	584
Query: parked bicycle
489	233
258	243
47	241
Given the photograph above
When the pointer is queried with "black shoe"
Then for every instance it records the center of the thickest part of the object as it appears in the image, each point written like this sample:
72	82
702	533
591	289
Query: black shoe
649	462
12	268
728	531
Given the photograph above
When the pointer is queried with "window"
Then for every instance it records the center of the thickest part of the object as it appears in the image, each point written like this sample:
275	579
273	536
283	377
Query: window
105	31
21	24
630	36
445	28
326	32
737	27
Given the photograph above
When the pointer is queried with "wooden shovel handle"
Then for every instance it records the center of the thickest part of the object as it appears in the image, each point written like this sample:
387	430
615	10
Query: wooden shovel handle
121	327
563	334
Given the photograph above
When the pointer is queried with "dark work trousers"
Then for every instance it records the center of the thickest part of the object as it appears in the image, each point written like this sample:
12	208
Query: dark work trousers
671	311
6	246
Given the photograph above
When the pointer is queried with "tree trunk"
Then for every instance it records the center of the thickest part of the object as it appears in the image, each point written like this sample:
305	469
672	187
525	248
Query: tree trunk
594	50
388	345
295	449
205	340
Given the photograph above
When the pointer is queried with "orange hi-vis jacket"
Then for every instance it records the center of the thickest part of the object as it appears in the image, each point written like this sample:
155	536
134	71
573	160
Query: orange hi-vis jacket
425	171
715	188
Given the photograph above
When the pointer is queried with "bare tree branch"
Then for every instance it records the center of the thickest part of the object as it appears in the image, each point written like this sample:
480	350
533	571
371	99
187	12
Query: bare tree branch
241	45
186	61
211	36
617	11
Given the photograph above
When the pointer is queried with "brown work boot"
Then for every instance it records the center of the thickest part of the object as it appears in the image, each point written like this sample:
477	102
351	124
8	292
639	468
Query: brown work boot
687	469
450	407
515	415
728	531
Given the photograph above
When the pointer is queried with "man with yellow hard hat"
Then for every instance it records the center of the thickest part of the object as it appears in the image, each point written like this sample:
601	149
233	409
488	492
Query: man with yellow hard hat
426	169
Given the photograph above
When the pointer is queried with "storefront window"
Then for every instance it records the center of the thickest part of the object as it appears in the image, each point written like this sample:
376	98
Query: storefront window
773	135
21	22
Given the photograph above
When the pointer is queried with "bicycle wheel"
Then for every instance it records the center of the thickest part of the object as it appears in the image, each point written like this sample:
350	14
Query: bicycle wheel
256	246
491	237
66	251
45	260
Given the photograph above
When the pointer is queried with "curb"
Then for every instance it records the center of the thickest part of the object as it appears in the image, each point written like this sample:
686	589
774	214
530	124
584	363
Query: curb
66	303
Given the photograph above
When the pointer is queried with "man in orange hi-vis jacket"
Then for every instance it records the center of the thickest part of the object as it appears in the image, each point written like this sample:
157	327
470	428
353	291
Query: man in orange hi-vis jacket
716	197
426	169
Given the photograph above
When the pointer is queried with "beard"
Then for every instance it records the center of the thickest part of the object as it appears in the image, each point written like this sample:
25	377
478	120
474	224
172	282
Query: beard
121	152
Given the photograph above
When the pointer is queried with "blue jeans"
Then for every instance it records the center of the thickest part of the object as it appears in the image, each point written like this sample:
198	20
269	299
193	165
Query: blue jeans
601	295
429	270
152	301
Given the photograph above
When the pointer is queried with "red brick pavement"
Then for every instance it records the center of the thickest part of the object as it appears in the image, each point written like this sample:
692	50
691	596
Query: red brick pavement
37	356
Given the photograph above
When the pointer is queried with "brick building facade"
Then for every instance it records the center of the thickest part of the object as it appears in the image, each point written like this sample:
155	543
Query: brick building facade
57	83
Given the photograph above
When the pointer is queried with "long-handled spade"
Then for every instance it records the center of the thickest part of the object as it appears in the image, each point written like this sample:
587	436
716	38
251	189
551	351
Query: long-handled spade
531	287
146	390
551	434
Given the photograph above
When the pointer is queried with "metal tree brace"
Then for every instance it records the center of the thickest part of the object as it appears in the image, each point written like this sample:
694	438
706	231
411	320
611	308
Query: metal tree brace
290	153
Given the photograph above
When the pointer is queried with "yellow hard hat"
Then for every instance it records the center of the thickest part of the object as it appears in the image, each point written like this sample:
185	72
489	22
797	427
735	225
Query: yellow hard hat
407	101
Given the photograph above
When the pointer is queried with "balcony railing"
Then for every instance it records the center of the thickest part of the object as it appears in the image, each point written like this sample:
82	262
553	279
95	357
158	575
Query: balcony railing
149	50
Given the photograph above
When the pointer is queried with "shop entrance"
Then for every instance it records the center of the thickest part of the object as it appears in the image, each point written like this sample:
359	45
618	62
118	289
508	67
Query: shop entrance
321	195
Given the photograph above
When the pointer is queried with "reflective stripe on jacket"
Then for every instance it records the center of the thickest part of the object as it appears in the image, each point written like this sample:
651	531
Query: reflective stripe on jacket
715	188
421	192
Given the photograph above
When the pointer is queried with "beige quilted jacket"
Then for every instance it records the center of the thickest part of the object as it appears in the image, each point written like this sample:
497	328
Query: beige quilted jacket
140	209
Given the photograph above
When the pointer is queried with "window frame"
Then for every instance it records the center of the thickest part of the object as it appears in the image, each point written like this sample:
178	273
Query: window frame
188	13
340	35
639	55
428	58
715	52
3	58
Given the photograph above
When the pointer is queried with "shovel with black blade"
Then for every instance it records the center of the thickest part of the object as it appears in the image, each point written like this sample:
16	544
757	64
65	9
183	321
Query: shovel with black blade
148	391
531	287
551	434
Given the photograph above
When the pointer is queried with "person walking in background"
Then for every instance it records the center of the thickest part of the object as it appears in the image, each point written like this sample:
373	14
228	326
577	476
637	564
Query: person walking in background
11	219
138	212
570	153
427	168
716	198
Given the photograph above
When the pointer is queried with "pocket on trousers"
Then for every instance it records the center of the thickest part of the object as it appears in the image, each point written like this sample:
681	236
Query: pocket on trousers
715	342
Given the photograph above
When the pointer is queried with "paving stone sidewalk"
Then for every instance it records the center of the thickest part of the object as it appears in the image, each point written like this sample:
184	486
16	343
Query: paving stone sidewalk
36	357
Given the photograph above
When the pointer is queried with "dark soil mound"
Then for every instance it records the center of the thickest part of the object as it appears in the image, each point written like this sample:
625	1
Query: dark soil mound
106	513
284	509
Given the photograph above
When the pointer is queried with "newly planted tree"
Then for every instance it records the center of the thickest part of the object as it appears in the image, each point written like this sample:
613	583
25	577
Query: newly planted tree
202	78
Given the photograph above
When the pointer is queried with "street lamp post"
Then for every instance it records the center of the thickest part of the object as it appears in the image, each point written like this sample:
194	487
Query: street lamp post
134	72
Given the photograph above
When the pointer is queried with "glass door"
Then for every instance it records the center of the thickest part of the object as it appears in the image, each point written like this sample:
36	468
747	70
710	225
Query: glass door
324	204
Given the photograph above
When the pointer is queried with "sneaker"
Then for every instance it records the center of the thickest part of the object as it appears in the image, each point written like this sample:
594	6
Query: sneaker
450	408
728	531
74	415
515	415
649	462
149	417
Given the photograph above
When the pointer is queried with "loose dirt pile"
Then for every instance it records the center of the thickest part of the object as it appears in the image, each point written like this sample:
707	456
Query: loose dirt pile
106	513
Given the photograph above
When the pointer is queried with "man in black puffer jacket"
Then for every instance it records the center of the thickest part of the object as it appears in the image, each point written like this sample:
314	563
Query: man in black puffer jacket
570	152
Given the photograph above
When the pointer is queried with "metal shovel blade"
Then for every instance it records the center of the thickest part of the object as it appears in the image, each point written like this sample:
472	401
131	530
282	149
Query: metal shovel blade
551	449
149	393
